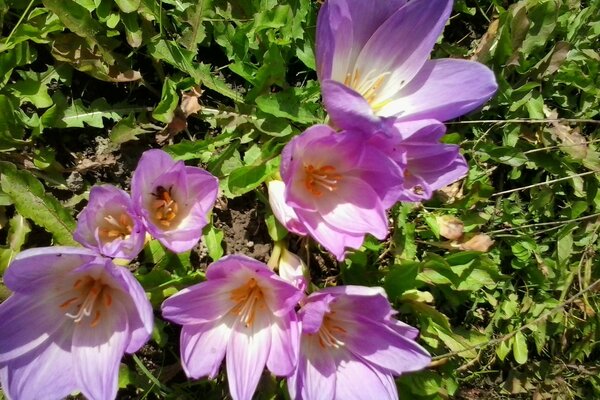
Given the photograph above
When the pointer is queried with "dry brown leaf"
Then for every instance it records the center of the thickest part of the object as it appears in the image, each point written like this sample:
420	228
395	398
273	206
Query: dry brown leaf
480	242
482	52
189	101
450	227
574	143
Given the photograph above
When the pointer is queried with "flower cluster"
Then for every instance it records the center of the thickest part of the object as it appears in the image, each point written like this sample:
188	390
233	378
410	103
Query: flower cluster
385	101
246	314
74	312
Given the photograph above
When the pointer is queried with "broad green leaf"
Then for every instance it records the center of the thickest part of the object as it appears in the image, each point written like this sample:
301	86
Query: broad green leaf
287	104
165	109
519	345
248	177
400	278
34	87
21	54
17	233
133	31
128	6
213	238
183	59
31	201
11	132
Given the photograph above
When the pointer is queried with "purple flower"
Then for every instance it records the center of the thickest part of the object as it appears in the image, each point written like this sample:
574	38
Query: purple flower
172	199
109	224
372	61
337	188
351	346
66	326
428	164
244	312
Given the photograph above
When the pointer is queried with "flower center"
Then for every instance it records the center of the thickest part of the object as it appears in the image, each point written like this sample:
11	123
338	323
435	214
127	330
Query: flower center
115	228
92	299
330	332
248	299
368	86
317	179
164	207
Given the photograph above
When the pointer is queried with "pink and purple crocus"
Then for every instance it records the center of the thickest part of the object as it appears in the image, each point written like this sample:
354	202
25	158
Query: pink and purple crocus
70	319
244	313
173	200
374	67
336	188
351	346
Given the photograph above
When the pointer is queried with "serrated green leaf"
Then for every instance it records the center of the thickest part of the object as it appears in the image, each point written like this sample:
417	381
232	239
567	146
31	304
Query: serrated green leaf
165	109
17	233
31	201
248	177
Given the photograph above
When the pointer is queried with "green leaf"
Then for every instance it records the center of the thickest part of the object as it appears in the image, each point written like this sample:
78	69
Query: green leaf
287	104
17	233
165	109
402	277
133	31
213	238
246	178
128	6
11	132
126	130
34	87
520	348
20	55
183	59
31	201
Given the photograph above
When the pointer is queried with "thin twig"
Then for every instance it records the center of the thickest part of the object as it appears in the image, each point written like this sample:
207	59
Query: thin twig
526	121
544	183
560	146
521	328
565	222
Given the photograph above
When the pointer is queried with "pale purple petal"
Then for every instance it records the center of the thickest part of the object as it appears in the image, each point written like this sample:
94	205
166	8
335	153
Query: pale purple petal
370	301
247	354
200	303
203	348
385	347
348	109
383	174
314	310
105	345
285	342
26	322
354	214
343	27
315	377
32	270
138	309
46	373
332	239
298	144
354	376
403	42
284	213
442	90
203	186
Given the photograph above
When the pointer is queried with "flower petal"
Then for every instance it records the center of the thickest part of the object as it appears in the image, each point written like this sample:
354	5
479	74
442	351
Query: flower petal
247	354
139	311
403	42
97	352
45	373
347	211
203	347
26	322
204	302
333	240
315	377
285	341
33	269
349	110
442	90
354	376
385	347
284	213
